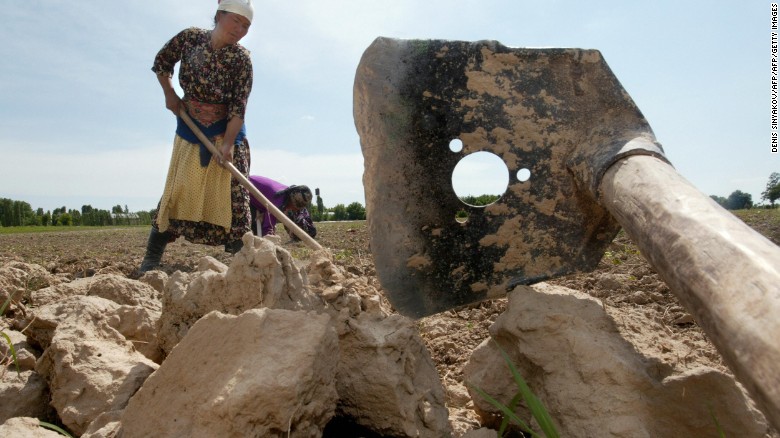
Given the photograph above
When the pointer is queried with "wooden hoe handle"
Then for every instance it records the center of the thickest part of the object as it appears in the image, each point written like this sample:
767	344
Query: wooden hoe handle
725	273
308	240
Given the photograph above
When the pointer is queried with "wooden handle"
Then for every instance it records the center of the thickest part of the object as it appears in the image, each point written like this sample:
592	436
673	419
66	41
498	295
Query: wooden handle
724	272
308	240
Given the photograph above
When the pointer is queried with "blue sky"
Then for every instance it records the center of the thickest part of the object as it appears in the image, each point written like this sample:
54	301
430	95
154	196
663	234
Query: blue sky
83	120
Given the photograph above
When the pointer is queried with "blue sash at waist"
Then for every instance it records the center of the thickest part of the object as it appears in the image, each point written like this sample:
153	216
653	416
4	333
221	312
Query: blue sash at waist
217	128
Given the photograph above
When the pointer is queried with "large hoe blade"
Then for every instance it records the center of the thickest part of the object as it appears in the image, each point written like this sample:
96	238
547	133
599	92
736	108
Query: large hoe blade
560	116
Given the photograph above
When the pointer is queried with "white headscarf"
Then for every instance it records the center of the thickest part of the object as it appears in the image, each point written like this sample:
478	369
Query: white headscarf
240	7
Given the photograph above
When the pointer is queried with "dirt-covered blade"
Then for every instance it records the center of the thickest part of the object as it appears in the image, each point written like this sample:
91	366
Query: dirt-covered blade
562	115
559	114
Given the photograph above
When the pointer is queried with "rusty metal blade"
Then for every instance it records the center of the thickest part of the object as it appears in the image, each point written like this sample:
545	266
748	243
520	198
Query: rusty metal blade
559	113
563	115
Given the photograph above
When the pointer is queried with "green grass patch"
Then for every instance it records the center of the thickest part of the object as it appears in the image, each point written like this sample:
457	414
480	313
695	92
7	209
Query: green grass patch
759	215
538	411
765	221
718	427
12	350
55	428
343	254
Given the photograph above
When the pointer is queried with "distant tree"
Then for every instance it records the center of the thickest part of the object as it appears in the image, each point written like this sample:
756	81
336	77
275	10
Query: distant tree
46	219
5	209
340	212
318	212
720	200
104	218
87	216
95	217
356	212
480	200
316	215
16	213
34	220
117	209
55	215
65	220
772	192
26	214
75	217
144	217
739	200
6	212
773	195
39	213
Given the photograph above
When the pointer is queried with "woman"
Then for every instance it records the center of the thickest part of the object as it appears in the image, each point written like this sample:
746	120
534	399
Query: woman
201	200
292	200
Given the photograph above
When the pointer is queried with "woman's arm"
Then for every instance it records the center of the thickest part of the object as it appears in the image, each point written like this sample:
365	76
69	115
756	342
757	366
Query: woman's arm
237	106
164	63
172	100
234	125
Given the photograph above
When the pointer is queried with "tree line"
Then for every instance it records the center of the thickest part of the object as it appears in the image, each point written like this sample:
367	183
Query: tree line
340	212
20	213
739	200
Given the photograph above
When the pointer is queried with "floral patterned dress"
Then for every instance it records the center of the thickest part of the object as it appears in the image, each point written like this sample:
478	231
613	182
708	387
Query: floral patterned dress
204	203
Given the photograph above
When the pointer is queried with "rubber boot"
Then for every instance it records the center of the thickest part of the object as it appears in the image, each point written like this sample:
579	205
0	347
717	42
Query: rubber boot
154	250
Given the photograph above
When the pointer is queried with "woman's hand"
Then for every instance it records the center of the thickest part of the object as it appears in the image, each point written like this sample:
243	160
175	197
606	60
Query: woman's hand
231	132
173	102
226	153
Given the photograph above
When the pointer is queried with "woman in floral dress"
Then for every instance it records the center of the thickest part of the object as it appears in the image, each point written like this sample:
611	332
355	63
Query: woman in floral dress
201	200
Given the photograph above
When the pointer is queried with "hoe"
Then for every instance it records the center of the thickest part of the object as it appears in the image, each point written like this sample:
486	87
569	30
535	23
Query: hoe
582	163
